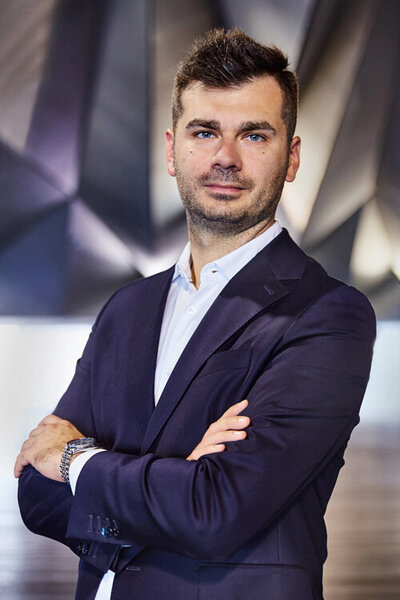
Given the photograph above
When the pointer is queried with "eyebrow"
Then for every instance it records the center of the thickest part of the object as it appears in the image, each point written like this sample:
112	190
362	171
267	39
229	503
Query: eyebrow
203	123
257	125
243	127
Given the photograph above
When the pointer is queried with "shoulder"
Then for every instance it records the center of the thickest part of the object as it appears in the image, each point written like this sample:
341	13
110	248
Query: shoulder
139	292
316	292
333	306
335	327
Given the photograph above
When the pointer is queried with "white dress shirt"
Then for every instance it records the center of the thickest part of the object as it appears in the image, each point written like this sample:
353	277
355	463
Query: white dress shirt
184	309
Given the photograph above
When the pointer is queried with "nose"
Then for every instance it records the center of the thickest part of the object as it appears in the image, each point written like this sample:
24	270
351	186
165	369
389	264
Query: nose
227	156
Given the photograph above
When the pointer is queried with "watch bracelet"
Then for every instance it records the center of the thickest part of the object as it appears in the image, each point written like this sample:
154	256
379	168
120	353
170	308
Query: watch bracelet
68	452
65	462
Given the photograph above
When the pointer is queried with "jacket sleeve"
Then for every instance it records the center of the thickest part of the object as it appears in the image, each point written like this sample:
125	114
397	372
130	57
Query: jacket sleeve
303	407
45	504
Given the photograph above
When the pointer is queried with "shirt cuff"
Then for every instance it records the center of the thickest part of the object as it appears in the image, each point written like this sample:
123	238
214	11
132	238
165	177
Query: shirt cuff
78	463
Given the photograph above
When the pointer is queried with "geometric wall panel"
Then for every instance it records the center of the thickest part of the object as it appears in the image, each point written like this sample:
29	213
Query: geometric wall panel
56	256
115	163
55	265
27	194
391	220
371	257
329	64
351	175
334	251
282	23
353	220
56	134
85	201
93	269
32	267
24	31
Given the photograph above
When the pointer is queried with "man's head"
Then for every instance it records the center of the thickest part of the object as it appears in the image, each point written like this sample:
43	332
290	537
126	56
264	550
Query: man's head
231	148
222	59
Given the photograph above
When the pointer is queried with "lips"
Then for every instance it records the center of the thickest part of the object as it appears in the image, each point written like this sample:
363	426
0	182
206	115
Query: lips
227	183
220	187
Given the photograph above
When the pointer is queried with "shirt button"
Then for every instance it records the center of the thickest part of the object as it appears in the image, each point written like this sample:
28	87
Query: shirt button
191	310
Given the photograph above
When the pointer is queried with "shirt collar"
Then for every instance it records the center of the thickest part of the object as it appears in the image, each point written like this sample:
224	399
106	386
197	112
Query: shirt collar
231	263
182	267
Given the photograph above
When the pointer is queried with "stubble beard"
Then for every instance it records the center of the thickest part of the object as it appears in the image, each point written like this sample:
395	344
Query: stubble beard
227	223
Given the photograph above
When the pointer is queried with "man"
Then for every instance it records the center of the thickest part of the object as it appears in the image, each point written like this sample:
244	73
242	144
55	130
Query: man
244	322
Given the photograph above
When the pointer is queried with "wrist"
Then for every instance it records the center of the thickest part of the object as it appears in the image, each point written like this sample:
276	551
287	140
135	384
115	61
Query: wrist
71	450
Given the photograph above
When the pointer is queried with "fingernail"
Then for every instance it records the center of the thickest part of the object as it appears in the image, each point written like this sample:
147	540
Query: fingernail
242	420
239	433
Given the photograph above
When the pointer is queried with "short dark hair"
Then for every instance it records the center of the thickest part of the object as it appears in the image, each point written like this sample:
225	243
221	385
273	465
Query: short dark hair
223	59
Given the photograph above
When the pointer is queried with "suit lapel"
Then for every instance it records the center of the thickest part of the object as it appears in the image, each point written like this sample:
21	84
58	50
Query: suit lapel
143	347
253	289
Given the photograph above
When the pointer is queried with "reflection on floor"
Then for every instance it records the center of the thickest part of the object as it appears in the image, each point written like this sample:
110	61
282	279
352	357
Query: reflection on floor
363	524
31	567
363	519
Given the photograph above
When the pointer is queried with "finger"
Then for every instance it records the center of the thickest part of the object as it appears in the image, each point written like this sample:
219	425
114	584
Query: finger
224	436
235	409
217	440
20	463
211	449
200	451
238	422
226	423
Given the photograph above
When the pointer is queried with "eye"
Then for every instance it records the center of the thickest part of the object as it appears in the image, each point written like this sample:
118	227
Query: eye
255	137
203	135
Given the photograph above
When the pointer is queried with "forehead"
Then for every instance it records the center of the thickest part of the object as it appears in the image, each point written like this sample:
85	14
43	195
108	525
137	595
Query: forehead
260	99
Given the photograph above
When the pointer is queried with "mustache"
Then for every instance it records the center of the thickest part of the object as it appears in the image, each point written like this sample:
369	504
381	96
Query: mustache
226	177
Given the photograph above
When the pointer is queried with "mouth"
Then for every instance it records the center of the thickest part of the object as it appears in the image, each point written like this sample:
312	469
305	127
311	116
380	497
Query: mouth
226	189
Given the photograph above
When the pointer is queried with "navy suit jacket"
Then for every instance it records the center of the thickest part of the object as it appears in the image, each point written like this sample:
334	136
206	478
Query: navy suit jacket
245	524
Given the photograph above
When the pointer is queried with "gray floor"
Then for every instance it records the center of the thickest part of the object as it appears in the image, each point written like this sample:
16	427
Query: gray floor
363	519
363	525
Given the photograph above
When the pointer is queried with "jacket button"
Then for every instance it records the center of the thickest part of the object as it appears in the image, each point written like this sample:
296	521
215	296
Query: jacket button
85	548
107	531
116	532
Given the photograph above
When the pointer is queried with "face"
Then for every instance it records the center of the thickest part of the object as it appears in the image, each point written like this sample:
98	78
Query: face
230	155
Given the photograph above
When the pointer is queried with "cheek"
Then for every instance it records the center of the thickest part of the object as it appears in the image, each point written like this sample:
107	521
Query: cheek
192	162
258	167
266	165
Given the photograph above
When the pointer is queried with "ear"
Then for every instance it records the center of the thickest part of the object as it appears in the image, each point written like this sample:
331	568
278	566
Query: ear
169	152
294	159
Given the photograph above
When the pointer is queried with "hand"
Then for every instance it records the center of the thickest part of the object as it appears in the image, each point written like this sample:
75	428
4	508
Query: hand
43	448
228	428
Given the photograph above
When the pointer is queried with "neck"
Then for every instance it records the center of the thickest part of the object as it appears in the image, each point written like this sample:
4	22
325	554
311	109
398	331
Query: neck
207	246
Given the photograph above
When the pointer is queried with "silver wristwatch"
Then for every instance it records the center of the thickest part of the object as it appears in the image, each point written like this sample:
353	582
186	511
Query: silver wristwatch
73	447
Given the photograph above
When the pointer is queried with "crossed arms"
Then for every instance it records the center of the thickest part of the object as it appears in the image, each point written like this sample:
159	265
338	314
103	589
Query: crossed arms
44	446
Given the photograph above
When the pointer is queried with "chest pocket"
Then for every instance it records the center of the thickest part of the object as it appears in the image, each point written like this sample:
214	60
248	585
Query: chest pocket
227	360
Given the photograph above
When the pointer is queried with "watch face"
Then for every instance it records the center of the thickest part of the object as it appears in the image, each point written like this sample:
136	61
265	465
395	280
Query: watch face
85	442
